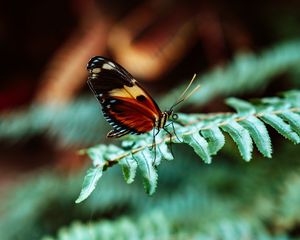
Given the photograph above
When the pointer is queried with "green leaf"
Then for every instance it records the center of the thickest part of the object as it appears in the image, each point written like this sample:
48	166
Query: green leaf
129	167
259	133
112	152
96	154
89	183
145	162
240	106
293	96
241	137
280	126
165	151
156	155
215	138
293	119
199	144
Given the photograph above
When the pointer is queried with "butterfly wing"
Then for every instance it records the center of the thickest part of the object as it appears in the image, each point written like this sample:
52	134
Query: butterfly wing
125	104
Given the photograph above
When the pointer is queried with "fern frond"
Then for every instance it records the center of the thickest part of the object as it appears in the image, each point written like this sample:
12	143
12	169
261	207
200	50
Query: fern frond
153	226
157	227
241	137
204	133
287	215
72	124
245	73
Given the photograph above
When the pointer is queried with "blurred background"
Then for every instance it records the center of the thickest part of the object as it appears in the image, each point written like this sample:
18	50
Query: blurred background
47	114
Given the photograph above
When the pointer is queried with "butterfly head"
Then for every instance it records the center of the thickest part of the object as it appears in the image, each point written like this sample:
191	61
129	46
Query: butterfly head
171	114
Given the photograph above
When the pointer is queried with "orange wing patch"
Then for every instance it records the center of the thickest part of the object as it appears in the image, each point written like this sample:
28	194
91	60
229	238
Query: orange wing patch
136	93
133	115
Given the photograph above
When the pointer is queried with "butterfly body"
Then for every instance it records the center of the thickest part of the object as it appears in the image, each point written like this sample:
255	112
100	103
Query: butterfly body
127	107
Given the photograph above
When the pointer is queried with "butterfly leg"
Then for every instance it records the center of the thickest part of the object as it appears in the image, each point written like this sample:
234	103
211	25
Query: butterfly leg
170	135
173	130
153	139
154	145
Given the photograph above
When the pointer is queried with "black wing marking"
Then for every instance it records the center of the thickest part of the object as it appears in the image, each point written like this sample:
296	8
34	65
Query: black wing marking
105	75
116	134
119	129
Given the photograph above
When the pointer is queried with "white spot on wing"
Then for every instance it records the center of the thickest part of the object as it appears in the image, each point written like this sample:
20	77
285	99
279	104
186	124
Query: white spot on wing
96	70
107	66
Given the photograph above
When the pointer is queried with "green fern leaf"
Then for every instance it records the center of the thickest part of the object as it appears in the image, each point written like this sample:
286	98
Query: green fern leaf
281	127
293	119
96	154
256	128
145	160
293	96
164	151
129	167
240	106
89	183
100	156
241	137
215	139
199	144
259	134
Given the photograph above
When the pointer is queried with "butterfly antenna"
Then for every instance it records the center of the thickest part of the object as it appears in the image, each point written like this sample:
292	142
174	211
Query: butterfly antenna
187	88
181	97
192	92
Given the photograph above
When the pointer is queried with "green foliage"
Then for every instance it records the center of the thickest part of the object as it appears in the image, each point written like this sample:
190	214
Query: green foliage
203	205
248	123
226	200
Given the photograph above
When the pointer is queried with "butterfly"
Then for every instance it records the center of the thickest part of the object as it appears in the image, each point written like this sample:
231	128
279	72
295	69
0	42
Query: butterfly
126	105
